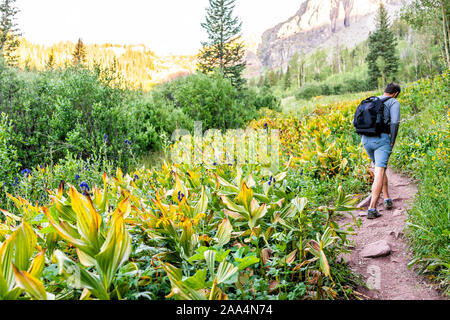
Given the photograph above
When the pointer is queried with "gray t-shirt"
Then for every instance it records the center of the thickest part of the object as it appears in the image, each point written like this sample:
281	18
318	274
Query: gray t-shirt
391	110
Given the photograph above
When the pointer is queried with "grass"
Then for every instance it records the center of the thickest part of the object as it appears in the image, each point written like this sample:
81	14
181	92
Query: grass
422	152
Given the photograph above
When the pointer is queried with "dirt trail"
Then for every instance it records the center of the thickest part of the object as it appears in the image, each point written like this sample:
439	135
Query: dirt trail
388	276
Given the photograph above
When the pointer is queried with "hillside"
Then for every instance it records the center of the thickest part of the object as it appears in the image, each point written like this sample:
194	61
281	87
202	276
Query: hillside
138	65
321	24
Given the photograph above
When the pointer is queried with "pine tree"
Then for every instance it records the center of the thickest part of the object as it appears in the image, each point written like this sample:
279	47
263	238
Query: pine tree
224	50
51	60
9	31
79	54
382	58
287	83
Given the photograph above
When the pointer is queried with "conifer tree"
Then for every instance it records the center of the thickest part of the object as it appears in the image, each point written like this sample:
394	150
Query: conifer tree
224	49
287	78
382	58
51	60
79	54
9	31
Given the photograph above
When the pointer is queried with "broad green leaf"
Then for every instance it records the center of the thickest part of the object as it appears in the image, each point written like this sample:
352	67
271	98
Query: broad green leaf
80	278
197	281
245	197
210	258
225	271
115	250
37	265
300	204
202	203
30	284
246	261
24	243
233	207
224	232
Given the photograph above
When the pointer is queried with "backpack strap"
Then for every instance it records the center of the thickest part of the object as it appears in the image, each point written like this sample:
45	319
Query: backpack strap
384	100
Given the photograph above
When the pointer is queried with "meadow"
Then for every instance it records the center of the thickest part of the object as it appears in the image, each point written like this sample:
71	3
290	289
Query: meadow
94	223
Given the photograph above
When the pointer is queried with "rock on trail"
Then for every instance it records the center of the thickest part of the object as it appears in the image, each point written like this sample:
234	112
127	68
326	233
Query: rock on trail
381	254
376	249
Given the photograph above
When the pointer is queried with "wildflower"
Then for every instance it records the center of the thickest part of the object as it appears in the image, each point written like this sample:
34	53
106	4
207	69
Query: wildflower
105	138
77	177
128	142
180	196
84	187
136	177
265	125
26	171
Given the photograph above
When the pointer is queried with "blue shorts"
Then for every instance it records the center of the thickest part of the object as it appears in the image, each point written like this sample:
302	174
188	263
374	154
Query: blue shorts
378	148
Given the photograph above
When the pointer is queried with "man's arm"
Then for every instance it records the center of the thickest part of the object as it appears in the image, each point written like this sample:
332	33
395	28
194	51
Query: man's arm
395	121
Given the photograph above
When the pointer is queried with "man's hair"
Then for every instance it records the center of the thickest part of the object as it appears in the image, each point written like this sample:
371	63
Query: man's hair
392	88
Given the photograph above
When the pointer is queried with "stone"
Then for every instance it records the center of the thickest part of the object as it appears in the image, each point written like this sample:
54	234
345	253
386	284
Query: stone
377	249
397	213
362	213
364	203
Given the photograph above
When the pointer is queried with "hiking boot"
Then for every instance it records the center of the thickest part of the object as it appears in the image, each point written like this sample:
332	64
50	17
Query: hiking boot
388	204
373	214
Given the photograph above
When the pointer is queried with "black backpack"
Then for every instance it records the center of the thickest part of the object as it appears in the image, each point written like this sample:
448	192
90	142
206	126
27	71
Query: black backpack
369	117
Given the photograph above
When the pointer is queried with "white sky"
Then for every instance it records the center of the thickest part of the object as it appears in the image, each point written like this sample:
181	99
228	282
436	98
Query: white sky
165	26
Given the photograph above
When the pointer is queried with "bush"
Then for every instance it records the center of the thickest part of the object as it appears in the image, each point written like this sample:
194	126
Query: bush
309	90
8	154
213	100
32	184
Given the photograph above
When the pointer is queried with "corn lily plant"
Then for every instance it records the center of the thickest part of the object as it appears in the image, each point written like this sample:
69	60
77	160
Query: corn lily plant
99	236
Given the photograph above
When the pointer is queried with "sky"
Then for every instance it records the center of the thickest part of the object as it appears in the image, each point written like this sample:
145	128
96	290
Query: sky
165	26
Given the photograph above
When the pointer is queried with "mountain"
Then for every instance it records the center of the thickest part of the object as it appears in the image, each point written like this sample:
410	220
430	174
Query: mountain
321	24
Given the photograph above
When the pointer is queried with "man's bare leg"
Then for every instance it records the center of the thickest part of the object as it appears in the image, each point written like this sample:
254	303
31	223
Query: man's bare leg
385	187
377	186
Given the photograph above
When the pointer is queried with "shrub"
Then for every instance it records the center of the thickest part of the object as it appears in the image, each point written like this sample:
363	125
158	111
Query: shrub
213	100
8	154
309	90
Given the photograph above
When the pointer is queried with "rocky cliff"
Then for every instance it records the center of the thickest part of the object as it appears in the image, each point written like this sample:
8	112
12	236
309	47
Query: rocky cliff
321	23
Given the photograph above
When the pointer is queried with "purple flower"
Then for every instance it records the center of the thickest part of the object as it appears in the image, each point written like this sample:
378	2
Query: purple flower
105	138
180	196
26	171
136	177
265	125
77	177
84	187
128	142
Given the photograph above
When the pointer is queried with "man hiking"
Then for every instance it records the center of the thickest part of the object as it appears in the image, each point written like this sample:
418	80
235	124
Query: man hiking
379	142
